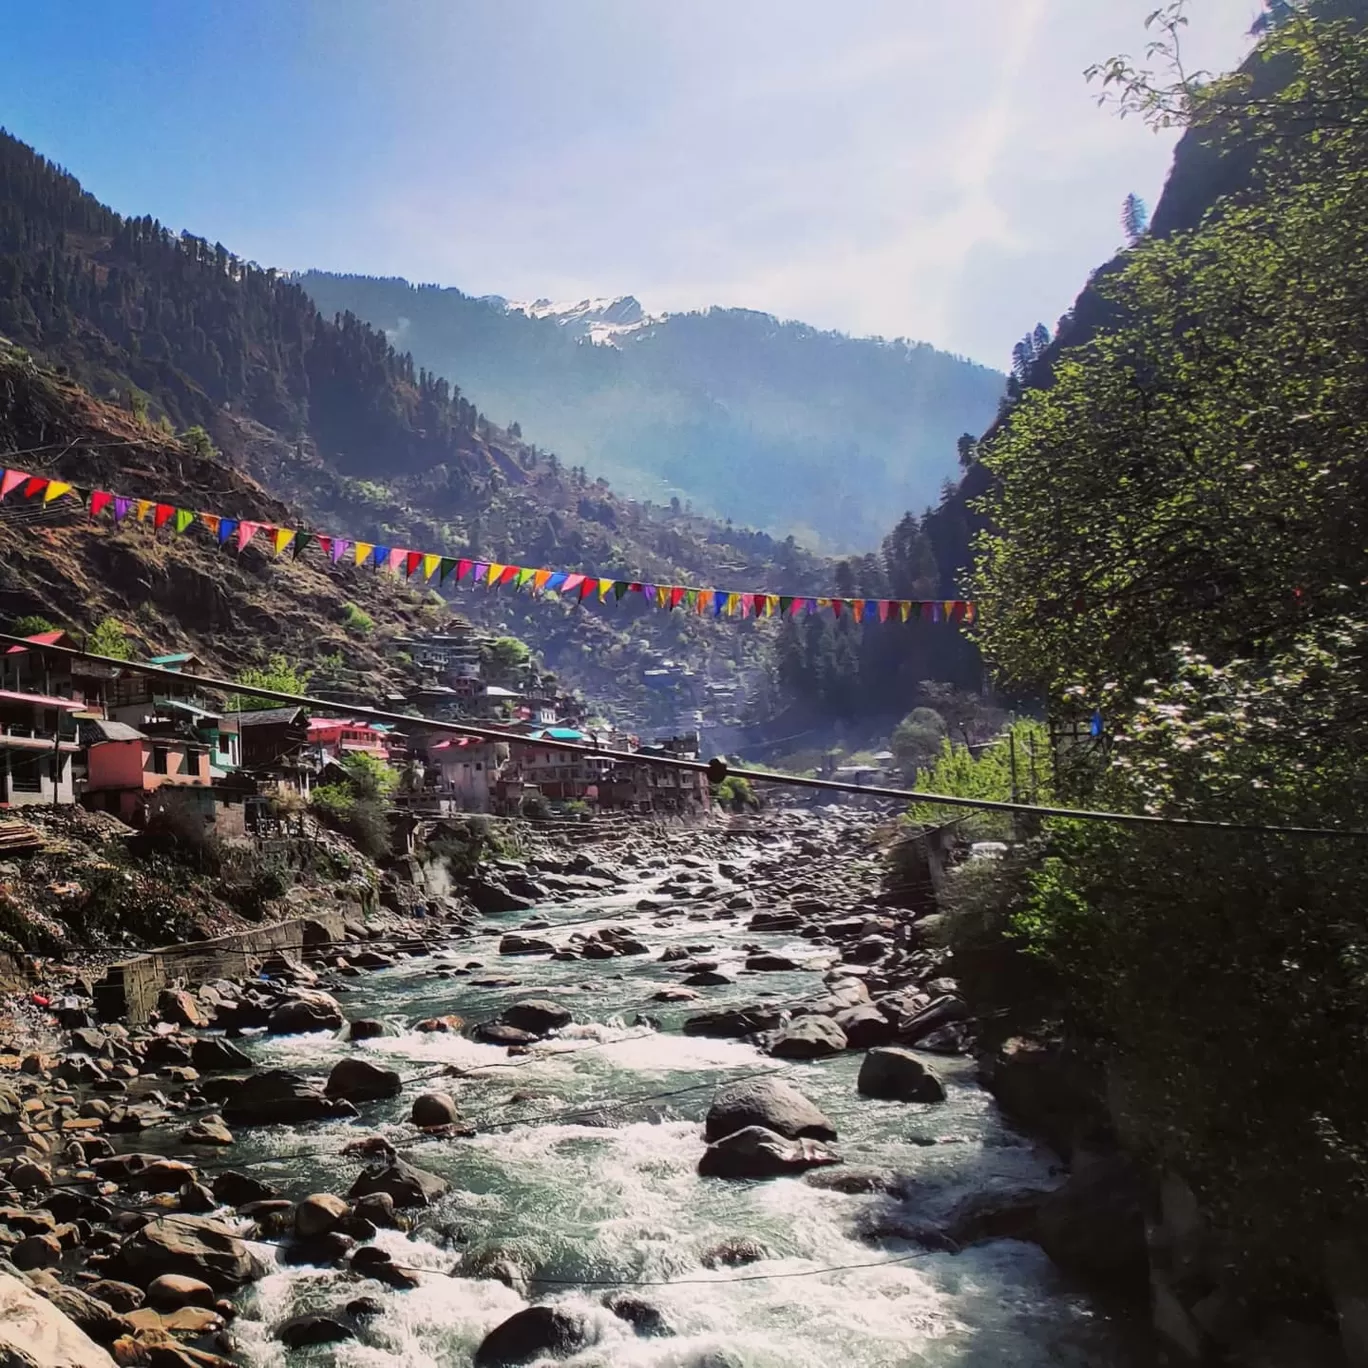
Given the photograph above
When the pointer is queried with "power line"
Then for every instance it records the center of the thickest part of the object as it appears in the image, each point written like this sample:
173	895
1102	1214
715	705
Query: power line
716	770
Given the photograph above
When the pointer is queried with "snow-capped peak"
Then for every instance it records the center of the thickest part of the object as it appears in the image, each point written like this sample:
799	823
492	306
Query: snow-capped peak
601	321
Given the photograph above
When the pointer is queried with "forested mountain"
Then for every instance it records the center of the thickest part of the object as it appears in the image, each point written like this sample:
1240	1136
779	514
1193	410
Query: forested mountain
180	333
772	423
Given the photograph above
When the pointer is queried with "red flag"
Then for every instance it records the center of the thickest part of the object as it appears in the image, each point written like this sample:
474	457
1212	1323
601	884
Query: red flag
510	573
463	568
884	606
325	543
99	501
412	561
35	485
836	606
676	595
163	515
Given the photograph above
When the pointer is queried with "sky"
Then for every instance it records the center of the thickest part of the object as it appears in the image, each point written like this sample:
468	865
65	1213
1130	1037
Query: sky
940	172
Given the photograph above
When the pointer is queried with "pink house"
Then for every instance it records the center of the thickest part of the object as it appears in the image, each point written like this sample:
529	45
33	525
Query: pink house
336	737
124	766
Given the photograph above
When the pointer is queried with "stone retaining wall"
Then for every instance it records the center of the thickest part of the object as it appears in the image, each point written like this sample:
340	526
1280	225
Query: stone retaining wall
129	989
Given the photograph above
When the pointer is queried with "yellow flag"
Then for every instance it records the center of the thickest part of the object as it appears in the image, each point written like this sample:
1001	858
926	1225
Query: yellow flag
55	490
495	570
145	506
905	609
363	551
430	564
733	604
604	587
283	537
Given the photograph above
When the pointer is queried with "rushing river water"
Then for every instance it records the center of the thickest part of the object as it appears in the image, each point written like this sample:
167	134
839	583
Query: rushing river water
586	1157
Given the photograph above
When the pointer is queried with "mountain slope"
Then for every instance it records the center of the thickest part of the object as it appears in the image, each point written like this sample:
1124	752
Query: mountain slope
775	424
173	331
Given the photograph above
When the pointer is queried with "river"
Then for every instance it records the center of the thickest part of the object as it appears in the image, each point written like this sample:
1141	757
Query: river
585	1158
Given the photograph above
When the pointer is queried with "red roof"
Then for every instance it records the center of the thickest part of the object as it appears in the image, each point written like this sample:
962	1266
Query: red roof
41	700
39	639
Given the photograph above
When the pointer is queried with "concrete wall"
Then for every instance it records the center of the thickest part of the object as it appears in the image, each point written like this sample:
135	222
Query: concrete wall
130	989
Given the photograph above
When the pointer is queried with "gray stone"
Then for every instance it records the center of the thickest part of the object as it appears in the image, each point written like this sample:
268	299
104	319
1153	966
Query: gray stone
537	1016
759	1153
897	1074
358	1080
811	1037
193	1245
318	1214
304	1011
435	1109
769	1102
534	1332
406	1185
279	1096
35	1334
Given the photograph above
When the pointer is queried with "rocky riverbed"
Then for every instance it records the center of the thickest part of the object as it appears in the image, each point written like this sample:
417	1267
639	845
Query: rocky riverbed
695	1101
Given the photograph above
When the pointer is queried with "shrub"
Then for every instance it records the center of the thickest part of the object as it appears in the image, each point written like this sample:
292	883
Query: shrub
356	620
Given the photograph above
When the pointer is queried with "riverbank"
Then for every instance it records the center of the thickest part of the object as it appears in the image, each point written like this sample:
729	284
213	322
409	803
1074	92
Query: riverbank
672	1115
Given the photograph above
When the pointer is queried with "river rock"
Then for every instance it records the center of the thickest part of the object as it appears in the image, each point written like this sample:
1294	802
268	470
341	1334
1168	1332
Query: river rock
493	897
312	1328
435	1109
734	1253
512	1263
377	1208
532	1333
644	1317
771	964
278	1095
495	1033
769	1102
515	944
35	1334
193	1245
238	1189
36	1251
708	978
865	1026
812	1037
358	1080
408	1186
214	1054
171	1291
775	921
145	1172
536	1016
1094	1226
370	1262
732	1021
368	1028
210	1129
179	1007
121	1296
318	1214
894	1073
759	1153
88	1313
304	1011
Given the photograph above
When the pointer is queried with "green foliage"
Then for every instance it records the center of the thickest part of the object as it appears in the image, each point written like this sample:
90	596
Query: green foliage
109	638
1179	523
917	739
32	624
504	660
735	794
279	673
356	620
199	442
358	806
369	776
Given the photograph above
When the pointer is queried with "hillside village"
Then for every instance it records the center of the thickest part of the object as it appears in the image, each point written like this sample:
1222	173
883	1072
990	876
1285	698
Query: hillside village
117	741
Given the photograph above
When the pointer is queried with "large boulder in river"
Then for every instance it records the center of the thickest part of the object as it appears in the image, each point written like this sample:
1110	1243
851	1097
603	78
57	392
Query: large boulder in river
406	1185
759	1153
358	1080
537	1016
894	1073
532	1333
279	1096
865	1026
493	897
193	1245
433	1109
1094	1226
305	1010
767	1102
812	1037
516	944
214	1054
35	1334
733	1021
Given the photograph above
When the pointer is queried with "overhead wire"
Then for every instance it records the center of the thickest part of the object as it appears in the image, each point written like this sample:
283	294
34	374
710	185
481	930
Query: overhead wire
717	769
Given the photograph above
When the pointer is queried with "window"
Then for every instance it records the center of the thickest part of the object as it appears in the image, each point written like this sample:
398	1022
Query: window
160	760
27	772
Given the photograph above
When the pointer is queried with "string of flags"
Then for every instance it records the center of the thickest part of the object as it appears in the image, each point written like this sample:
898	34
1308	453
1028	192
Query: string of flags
430	566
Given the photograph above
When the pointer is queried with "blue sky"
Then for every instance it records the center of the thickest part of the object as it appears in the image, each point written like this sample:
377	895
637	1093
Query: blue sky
935	171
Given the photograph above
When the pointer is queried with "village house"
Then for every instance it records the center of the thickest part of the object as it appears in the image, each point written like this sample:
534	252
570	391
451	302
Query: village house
125	766
334	738
660	789
275	747
465	769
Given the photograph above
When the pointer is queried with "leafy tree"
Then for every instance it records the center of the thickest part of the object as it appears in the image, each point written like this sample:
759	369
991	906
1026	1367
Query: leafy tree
356	620
32	624
199	442
918	739
109	638
279	673
504	660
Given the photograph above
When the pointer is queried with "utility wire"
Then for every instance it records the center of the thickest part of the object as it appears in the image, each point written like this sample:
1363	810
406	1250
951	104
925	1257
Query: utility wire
716	769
